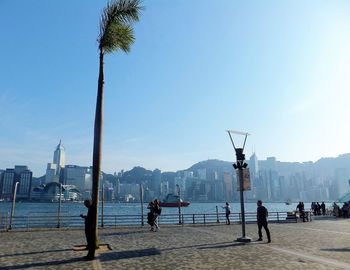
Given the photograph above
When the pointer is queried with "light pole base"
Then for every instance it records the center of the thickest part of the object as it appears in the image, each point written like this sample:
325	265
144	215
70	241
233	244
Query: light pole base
243	239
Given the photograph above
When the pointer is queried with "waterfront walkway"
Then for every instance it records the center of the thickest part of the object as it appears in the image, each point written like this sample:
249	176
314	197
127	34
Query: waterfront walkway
321	244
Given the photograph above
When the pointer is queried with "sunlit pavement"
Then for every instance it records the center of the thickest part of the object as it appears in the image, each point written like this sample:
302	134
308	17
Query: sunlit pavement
321	244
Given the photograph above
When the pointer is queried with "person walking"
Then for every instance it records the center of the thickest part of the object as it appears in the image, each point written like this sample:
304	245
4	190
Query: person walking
261	217
88	220
227	212
150	215
157	211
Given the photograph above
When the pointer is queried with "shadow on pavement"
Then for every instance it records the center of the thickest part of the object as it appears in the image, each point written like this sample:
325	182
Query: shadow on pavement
223	246
204	246
42	264
35	252
345	249
122	233
129	254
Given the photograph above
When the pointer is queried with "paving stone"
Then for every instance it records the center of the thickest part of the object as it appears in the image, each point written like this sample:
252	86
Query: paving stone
321	244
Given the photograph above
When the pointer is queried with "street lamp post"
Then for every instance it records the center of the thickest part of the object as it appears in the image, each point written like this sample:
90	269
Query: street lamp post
179	202
240	165
13	205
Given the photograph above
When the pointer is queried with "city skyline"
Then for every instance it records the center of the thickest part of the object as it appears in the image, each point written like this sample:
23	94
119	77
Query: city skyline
60	145
170	100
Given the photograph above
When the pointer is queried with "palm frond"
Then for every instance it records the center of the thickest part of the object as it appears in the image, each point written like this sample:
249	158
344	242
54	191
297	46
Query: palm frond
118	16
118	36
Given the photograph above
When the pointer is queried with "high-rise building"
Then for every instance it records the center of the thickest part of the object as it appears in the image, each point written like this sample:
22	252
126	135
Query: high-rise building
59	155
228	187
8	181
342	181
20	174
253	166
156	179
55	170
78	176
202	173
25	184
51	173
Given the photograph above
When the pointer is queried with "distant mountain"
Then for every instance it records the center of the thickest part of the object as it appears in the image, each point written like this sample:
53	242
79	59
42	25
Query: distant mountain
37	181
324	167
212	164
136	175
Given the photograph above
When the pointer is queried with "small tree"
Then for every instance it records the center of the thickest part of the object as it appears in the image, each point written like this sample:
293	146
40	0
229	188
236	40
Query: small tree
116	33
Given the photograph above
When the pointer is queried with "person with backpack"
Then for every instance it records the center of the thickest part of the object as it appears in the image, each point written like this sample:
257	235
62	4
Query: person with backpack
227	212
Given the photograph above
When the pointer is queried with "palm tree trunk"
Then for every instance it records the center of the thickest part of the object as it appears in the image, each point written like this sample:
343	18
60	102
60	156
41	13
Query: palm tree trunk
97	153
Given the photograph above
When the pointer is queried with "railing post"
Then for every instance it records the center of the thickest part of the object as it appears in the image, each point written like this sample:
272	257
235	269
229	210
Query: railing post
141	200
7	220
59	208
193	219
183	222
278	220
13	204
217	215
239	218
204	218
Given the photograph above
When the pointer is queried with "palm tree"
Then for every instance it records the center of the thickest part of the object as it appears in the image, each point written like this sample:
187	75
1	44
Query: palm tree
116	33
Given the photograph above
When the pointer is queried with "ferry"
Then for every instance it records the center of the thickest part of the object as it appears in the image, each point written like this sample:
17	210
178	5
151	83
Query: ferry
173	200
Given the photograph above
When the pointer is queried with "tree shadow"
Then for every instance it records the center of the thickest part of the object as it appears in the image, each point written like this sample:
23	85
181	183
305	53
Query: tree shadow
204	246
119	255
223	246
42	264
122	233
35	252
345	249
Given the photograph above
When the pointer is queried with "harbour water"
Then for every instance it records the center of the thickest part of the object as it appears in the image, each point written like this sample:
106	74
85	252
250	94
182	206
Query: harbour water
77	208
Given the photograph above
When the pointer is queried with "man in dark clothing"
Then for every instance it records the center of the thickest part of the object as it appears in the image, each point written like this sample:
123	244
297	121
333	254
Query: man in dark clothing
323	208
88	219
261	217
300	207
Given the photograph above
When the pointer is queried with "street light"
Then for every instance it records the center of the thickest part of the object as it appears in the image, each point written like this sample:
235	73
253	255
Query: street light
240	166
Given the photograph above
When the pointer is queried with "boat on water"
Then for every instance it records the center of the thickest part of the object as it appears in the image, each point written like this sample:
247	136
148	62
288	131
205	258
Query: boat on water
288	202
173	200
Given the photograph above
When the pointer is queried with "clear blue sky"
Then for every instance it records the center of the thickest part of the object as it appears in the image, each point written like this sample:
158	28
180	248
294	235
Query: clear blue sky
277	69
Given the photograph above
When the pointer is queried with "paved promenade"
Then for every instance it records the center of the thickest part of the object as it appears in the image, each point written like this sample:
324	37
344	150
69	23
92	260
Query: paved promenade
315	245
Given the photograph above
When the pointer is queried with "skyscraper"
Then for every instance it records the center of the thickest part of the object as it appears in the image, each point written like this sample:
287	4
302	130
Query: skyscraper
253	165
54	171
20	174
59	155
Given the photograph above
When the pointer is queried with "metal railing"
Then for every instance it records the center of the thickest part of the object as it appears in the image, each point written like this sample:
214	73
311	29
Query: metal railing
70	221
